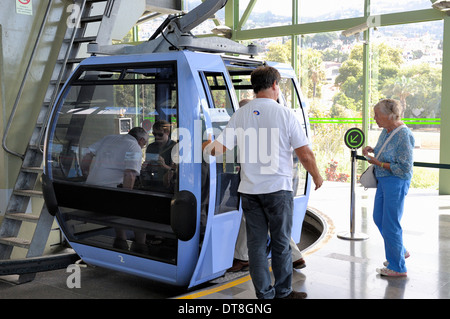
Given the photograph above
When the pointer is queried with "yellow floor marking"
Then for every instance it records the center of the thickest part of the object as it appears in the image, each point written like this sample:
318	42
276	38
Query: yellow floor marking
216	289
329	234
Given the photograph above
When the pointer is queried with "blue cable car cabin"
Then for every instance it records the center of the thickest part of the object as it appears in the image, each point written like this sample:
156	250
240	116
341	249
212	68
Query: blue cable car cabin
191	218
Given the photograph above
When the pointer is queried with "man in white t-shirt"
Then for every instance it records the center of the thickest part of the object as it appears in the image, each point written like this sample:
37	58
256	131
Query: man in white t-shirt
265	133
118	159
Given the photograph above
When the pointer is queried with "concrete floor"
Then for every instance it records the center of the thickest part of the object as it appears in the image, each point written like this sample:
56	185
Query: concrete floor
345	269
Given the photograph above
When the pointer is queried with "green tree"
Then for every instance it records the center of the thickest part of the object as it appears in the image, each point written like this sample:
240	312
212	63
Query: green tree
418	86
401	87
279	52
313	73
335	55
386	62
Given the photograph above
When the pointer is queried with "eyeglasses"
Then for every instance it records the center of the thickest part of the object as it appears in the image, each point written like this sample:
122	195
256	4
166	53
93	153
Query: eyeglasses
158	134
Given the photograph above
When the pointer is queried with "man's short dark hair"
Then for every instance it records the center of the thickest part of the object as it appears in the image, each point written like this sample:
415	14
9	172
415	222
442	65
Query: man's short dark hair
263	77
162	125
138	133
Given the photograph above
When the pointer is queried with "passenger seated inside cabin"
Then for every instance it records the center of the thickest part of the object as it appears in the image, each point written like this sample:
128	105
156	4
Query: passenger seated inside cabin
115	161
158	170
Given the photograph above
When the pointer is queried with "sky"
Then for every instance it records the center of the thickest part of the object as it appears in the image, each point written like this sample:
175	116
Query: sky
283	7
313	8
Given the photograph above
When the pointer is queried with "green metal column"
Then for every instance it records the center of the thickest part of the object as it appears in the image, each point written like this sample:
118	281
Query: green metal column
294	39
444	175
366	75
232	15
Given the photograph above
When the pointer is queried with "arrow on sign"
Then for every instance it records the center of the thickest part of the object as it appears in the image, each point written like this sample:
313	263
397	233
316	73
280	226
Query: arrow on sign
354	138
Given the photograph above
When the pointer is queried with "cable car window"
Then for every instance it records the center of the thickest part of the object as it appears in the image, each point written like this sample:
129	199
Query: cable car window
90	149
100	75
227	168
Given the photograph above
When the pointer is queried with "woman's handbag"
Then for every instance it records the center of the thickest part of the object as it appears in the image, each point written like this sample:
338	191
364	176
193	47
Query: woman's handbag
368	179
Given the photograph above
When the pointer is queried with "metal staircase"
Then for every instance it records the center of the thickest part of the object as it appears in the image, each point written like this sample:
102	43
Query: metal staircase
27	186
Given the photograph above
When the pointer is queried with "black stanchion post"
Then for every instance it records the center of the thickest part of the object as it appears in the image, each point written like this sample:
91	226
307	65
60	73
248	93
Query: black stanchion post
354	139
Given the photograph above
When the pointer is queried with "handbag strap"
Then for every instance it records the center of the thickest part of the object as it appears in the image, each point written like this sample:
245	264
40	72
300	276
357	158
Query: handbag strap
389	138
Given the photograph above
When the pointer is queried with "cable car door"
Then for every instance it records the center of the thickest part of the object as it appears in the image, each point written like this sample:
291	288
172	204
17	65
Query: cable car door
223	212
291	97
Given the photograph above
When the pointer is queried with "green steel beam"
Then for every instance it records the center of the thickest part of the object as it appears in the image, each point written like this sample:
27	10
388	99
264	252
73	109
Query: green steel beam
366	77
294	39
444	157
339	25
231	10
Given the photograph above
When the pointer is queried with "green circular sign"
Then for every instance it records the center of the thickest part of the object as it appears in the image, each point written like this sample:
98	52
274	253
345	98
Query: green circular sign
354	138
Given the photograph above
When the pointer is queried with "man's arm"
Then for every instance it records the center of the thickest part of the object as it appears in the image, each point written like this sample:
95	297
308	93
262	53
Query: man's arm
129	177
308	160
214	149
86	163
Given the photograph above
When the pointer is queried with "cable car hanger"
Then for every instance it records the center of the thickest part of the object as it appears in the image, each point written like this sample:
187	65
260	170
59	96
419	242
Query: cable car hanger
174	34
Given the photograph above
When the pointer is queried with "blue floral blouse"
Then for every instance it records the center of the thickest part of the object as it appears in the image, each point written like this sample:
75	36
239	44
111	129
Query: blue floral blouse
398	153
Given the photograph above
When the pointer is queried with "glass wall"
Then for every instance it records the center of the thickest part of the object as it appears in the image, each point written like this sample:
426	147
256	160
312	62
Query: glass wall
387	6
267	13
331	79
326	10
406	64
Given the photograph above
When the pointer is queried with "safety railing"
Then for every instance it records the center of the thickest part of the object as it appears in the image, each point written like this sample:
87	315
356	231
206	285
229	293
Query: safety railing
22	85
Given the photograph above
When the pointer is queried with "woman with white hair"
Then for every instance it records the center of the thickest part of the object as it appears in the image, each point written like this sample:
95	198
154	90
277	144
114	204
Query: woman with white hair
393	170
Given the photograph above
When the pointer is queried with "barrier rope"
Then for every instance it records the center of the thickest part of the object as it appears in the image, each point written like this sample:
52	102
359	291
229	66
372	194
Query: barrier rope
418	164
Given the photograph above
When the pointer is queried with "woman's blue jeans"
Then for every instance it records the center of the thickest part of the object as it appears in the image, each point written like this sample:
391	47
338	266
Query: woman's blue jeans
272	213
387	213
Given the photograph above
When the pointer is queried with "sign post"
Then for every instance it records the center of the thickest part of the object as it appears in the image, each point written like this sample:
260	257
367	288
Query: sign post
353	139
